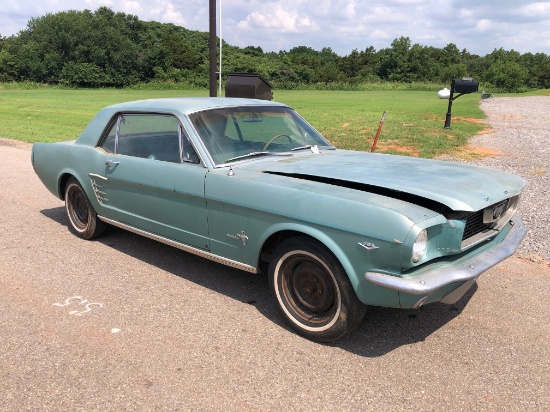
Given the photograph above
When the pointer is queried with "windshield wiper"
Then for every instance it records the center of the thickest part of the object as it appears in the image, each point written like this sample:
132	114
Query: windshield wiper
314	148
309	146
253	154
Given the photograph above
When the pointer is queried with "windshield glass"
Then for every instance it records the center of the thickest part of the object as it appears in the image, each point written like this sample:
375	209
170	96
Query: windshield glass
231	134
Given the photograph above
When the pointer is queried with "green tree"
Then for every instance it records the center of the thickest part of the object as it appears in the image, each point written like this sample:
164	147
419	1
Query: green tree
394	62
103	39
253	51
450	55
538	68
7	62
506	75
83	75
105	48
351	65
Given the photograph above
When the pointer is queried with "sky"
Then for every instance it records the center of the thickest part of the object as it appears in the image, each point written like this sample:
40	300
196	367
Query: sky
479	26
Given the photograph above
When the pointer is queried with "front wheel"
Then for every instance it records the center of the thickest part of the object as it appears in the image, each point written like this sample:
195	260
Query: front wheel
312	291
81	213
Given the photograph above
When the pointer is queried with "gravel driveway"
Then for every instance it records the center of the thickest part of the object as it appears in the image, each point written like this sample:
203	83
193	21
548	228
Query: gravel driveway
521	134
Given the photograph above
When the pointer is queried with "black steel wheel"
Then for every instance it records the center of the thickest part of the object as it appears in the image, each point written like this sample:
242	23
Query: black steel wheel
312	291
81	213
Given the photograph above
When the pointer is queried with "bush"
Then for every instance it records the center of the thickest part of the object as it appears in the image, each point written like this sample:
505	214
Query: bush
82	75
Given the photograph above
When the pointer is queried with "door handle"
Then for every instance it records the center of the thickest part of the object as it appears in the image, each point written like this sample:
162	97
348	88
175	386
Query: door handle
108	163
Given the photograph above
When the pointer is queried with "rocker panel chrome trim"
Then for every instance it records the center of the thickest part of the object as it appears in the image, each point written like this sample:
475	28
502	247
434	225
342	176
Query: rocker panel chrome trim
181	246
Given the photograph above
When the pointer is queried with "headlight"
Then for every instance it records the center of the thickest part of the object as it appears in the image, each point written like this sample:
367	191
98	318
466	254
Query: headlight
420	245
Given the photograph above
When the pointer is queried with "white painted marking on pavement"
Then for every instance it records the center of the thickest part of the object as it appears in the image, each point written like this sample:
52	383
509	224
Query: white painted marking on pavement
79	300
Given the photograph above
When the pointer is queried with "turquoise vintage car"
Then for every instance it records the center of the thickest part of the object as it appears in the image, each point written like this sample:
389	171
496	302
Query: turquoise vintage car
250	184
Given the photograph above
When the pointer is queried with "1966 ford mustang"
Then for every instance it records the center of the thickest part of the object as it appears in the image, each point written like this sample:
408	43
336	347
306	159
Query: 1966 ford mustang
250	184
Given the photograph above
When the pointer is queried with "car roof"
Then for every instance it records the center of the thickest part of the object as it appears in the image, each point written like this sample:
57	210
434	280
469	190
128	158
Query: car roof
179	106
186	105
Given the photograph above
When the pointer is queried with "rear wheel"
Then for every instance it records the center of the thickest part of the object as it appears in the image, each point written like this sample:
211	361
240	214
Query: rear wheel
81	213
312	291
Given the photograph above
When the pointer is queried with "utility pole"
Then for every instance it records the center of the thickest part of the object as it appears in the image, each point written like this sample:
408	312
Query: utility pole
213	48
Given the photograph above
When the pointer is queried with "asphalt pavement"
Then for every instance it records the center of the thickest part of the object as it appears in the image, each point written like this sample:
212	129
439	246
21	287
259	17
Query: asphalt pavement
124	323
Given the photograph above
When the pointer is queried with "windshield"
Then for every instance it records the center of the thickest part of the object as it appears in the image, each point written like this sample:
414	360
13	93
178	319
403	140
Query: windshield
235	133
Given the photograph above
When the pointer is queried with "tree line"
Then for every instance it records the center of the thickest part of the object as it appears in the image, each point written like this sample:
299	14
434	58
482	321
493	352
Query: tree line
111	49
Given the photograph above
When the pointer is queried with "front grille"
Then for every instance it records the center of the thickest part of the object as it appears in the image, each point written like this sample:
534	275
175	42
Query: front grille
476	229
474	223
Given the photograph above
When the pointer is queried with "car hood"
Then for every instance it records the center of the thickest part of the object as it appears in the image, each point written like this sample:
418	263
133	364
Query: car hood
458	186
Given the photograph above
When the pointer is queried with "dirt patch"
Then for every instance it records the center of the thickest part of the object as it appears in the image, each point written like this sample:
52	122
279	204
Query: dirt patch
14	143
486	131
411	151
534	258
346	124
470	119
538	172
482	151
471	152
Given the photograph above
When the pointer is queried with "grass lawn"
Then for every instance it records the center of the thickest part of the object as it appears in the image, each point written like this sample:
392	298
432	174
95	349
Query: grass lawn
52	115
413	125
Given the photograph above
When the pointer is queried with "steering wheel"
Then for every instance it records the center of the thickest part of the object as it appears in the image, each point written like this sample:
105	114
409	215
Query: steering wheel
275	138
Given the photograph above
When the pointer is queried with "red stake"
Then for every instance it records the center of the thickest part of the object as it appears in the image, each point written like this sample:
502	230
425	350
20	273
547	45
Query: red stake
378	132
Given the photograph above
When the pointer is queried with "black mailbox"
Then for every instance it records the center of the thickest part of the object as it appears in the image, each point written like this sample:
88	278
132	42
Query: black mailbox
466	86
248	85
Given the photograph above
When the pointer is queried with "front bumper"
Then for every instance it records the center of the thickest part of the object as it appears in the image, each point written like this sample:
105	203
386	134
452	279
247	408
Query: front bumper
468	270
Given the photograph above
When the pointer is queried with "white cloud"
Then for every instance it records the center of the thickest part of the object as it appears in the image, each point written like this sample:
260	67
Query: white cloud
385	15
278	20
536	9
133	7
380	34
94	4
484	25
335	9
466	13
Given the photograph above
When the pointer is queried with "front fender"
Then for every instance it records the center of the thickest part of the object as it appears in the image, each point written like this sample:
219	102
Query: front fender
352	256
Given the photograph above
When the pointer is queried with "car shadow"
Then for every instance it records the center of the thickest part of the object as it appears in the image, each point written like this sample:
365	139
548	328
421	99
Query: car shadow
386	329
382	331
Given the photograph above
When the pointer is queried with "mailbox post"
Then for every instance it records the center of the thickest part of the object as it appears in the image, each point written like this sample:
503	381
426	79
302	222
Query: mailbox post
465	86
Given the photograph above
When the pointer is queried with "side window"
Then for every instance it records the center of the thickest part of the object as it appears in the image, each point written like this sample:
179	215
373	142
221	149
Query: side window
109	142
151	136
188	152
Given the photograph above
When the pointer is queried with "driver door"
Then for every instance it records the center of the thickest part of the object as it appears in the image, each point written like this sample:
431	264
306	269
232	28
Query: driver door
151	178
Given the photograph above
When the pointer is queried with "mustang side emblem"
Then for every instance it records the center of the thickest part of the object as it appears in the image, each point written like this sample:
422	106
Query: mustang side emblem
242	236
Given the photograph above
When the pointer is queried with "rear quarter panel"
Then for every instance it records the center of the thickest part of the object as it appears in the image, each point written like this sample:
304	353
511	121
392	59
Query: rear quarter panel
48	161
51	161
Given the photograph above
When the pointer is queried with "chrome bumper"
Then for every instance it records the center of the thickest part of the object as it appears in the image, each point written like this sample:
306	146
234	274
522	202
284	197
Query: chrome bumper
469	270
